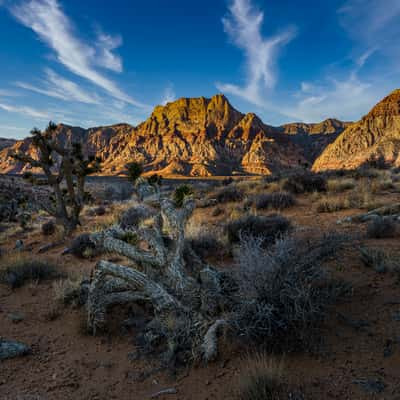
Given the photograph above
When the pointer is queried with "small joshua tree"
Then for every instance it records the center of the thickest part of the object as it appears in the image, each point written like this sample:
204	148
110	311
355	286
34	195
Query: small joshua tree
65	170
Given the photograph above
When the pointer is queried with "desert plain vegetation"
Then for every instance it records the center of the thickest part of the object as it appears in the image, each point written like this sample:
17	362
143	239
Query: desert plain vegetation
276	287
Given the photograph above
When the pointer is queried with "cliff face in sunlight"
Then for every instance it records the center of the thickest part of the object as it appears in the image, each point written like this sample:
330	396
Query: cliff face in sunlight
195	137
376	135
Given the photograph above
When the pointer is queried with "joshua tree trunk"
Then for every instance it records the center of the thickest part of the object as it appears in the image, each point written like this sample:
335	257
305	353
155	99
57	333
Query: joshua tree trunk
187	297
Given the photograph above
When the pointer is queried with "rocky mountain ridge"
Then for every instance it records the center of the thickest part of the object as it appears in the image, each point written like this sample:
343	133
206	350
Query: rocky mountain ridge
195	137
376	135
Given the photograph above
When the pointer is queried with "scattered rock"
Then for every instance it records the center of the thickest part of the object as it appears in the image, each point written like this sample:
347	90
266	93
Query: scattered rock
371	385
163	392
16	317
19	245
12	349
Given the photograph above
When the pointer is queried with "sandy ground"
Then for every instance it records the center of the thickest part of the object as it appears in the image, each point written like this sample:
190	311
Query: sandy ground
360	339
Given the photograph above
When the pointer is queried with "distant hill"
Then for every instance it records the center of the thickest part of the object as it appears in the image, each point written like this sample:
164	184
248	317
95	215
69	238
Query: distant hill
6	143
195	137
376	135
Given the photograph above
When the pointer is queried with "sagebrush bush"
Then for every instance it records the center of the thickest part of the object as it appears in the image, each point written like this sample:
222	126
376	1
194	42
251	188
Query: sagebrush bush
268	228
284	292
206	244
378	260
262	378
132	217
382	228
340	185
228	194
48	228
15	271
328	204
305	182
82	246
276	201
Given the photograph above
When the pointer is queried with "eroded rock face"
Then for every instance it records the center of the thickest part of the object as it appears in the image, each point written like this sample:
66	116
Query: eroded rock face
376	135
194	137
6	143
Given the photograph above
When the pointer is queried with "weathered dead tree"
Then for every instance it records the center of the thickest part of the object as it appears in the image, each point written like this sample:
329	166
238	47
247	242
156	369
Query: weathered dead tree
188	298
65	170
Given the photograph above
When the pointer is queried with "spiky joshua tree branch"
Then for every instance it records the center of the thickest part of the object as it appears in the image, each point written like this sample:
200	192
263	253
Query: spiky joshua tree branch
187	296
65	170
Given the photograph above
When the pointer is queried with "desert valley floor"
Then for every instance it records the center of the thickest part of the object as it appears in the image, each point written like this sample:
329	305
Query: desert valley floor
358	356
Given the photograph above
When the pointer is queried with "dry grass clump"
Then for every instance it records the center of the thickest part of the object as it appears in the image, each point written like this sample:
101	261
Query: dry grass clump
340	185
262	378
379	260
305	182
82	246
327	204
231	193
381	185
48	228
267	228
362	198
275	201
132	217
382	228
284	292
17	269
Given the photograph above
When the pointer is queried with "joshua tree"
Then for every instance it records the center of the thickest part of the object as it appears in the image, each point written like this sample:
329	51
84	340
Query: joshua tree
65	170
187	296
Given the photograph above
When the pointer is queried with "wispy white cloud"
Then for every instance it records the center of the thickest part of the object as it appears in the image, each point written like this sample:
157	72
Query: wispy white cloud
47	19
344	99
60	88
106	45
8	93
243	25
25	110
169	95
373	25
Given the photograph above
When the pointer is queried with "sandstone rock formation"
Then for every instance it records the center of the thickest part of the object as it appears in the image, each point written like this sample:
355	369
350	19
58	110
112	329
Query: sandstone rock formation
376	135
195	137
6	143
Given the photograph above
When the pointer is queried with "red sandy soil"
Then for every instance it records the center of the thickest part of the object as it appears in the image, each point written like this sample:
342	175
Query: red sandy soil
67	364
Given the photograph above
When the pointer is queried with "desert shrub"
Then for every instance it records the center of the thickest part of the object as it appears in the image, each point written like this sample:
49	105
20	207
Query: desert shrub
381	184
100	210
327	204
227	181
261	378
16	271
181	193
305	182
133	216
48	228
276	200
284	292
268	228
82	246
67	291
228	194
134	170
206	244
340	185
378	260
217	211
382	228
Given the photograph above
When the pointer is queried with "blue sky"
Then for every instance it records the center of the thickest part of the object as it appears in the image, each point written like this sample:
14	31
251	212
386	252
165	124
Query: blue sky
97	62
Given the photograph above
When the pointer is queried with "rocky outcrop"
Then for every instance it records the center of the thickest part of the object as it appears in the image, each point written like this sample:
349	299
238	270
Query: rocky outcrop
314	138
194	137
376	135
6	143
